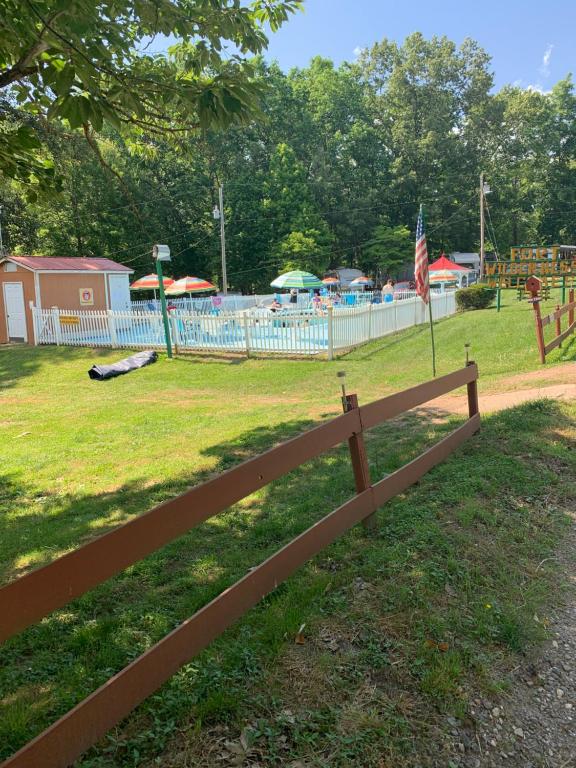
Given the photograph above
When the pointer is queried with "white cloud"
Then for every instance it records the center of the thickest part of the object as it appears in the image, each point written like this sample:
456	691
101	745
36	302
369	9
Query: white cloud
545	68
357	51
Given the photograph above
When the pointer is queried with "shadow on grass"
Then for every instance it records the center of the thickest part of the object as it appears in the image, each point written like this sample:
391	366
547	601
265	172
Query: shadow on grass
20	361
54	664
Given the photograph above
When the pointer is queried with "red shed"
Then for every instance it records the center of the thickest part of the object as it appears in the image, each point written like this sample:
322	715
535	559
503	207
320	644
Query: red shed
67	283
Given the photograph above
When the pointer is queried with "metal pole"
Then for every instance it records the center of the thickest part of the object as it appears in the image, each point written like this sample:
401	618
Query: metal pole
481	226
223	240
432	334
498	299
164	310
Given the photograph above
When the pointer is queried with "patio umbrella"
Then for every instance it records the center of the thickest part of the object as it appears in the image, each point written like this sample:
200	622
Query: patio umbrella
150	283
189	285
330	281
297	279
360	282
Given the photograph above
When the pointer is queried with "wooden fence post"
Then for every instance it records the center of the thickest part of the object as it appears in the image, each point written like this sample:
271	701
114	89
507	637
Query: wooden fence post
571	311
472	387
539	329
558	323
360	465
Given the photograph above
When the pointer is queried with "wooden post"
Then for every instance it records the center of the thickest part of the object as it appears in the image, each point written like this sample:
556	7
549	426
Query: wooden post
498	300
571	311
558	323
472	394
539	330
360	465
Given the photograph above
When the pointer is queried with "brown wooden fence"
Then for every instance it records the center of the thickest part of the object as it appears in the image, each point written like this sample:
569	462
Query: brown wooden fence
31	597
556	318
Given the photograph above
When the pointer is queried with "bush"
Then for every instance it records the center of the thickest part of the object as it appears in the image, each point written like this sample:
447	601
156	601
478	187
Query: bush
475	297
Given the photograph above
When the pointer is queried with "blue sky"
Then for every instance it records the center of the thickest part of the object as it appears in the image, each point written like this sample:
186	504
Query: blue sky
531	43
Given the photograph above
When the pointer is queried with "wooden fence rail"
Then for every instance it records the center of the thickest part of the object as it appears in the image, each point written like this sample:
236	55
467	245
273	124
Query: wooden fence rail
29	598
533	285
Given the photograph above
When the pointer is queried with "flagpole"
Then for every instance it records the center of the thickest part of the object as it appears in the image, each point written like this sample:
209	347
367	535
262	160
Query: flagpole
423	277
432	332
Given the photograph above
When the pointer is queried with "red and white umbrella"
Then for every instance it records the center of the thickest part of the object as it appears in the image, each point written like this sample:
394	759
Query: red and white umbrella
330	281
150	283
189	285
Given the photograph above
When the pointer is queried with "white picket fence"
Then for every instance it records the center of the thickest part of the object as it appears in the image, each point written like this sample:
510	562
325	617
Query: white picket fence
291	331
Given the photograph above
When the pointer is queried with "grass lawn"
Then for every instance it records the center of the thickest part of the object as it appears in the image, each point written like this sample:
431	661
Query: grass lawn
398	625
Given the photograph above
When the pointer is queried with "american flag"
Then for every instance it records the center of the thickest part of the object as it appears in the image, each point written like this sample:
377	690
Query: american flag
421	261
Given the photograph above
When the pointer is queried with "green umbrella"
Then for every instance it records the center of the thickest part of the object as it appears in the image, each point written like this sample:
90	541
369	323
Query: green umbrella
297	279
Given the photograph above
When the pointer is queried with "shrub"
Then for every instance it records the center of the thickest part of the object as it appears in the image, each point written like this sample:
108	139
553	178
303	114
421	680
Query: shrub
475	297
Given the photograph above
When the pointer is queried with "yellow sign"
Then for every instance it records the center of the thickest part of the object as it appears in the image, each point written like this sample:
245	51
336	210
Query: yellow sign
86	296
69	320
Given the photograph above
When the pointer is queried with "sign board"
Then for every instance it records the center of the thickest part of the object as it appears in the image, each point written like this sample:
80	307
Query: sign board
69	320
554	265
86	297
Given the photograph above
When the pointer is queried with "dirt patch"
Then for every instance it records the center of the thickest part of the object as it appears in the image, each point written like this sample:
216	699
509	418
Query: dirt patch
497	401
534	726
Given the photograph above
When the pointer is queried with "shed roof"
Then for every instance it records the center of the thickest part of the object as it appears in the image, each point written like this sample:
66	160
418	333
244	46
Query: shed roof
69	264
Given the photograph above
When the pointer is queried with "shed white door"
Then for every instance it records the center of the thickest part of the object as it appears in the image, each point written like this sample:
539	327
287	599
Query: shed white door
119	292
15	311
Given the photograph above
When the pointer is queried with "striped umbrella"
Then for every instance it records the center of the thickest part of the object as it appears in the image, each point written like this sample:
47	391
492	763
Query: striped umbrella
297	279
442	276
189	285
360	282
150	283
330	281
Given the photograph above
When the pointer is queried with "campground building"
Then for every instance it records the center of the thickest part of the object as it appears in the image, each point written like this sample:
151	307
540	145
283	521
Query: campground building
72	283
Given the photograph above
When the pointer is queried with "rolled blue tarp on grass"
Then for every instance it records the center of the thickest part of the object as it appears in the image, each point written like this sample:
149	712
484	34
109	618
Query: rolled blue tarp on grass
139	360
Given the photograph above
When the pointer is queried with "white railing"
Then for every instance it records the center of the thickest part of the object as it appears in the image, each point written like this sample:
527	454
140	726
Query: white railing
290	331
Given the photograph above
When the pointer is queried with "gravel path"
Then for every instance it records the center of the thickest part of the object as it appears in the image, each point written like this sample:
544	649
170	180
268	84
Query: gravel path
534	725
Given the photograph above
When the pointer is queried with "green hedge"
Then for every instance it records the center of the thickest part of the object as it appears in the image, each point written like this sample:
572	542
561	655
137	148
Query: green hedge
475	297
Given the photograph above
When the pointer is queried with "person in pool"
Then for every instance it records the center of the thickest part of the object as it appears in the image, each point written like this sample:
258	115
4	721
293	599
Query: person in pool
275	306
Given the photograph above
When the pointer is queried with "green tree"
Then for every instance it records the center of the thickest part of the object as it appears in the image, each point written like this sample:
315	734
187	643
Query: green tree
390	249
85	64
300	236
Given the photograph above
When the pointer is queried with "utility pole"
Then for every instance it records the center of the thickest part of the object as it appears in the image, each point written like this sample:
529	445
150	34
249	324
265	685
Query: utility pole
1	243
482	226
223	240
